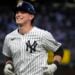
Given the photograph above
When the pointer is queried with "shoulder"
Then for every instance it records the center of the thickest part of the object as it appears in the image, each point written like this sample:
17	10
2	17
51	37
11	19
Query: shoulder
44	33
41	31
11	35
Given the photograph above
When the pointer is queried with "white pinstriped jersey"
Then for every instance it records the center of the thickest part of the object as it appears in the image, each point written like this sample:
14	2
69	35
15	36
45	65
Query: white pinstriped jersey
29	51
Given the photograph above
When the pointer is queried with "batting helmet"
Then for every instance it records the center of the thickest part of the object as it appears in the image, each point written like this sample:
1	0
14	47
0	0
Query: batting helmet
25	6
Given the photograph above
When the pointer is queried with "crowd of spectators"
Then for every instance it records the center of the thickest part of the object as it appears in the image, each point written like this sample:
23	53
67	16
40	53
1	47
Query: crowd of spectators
60	22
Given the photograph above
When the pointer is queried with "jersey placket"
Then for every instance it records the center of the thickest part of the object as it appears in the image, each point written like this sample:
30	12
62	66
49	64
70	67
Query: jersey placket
23	46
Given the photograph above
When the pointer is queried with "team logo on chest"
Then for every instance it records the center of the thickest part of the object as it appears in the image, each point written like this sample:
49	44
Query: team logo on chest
31	47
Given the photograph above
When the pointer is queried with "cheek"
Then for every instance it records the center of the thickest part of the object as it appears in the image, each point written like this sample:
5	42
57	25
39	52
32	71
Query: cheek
26	18
22	18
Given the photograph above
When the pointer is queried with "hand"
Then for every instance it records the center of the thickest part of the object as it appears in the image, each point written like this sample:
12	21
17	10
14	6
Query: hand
8	69
49	69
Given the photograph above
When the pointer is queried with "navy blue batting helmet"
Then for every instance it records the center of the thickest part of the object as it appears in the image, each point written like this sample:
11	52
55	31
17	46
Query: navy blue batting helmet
25	6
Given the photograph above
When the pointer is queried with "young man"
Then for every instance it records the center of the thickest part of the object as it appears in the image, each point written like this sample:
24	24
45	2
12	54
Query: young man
26	47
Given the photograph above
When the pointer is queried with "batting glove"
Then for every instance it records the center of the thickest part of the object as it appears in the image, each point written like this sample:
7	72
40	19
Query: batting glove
50	69
8	69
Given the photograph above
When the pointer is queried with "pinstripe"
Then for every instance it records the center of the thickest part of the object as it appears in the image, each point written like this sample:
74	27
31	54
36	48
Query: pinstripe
27	63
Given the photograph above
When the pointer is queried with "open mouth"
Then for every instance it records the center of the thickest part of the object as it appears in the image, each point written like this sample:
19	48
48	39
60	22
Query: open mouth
19	18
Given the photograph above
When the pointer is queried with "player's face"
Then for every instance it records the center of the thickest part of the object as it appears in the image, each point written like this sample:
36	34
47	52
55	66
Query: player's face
23	17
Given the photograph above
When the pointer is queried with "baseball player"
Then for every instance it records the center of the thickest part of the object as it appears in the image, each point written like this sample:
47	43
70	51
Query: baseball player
26	47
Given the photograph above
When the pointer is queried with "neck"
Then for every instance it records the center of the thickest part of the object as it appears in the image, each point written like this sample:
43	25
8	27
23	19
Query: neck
25	28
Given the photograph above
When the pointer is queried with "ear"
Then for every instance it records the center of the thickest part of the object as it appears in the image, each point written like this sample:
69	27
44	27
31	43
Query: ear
31	17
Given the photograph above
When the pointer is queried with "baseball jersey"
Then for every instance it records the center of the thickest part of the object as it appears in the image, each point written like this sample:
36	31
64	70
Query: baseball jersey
29	51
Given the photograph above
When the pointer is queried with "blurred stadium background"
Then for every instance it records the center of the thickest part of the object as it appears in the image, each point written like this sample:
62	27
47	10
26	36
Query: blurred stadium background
56	16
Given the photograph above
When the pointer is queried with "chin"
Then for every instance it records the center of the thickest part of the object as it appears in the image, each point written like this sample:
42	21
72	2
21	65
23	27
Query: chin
18	23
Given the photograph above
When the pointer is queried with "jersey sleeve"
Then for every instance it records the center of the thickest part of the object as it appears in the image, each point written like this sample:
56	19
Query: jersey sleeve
49	43
6	50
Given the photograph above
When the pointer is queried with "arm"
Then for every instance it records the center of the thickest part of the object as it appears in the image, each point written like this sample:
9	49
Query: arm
56	61
58	55
51	44
8	59
9	68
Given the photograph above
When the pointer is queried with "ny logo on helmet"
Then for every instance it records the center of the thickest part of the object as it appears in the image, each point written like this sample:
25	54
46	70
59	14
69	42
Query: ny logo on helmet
20	3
